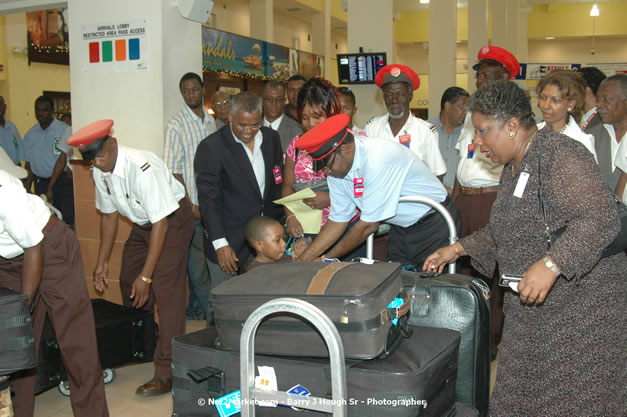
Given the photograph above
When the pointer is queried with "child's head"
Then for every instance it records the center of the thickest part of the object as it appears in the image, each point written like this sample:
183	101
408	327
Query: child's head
265	235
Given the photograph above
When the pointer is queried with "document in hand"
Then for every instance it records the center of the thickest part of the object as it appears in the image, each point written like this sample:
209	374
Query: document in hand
309	218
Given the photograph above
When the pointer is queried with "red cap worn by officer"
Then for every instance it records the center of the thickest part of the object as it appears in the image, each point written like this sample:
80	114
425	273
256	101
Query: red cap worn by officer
325	138
396	73
91	139
495	55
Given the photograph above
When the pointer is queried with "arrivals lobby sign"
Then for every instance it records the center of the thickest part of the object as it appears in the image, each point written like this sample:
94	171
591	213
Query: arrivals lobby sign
115	47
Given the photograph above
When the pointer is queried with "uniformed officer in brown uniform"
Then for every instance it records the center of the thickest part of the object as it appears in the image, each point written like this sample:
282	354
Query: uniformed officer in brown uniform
138	185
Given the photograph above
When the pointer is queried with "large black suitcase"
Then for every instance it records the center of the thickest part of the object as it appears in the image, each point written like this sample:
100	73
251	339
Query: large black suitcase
125	335
417	379
17	346
459	303
354	296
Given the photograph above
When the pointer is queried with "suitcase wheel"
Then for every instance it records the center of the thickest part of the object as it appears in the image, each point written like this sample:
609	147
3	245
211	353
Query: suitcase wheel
109	375
64	388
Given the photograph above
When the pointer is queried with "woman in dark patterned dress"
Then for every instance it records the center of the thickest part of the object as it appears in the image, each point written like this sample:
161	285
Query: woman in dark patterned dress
563	348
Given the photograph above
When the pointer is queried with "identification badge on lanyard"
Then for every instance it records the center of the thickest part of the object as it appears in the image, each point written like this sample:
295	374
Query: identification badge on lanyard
521	184
55	145
15	143
278	178
358	186
471	150
404	140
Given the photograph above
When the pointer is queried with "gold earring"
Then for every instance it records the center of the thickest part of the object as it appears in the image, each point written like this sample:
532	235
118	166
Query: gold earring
569	109
511	135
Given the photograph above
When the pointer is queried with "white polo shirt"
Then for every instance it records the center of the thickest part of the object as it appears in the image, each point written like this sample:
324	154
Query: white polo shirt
22	217
140	187
419	136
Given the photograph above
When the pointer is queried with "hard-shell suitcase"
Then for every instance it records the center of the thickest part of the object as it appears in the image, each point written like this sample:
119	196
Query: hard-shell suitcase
354	296
459	303
417	379
124	335
17	346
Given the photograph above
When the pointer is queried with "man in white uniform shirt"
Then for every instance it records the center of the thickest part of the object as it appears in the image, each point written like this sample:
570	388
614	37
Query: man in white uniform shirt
40	257
399	125
138	185
185	131
478	177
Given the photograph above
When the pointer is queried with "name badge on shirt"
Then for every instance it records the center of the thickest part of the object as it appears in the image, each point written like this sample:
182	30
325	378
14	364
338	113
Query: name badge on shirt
404	140
358	186
278	178
521	184
471	150
55	145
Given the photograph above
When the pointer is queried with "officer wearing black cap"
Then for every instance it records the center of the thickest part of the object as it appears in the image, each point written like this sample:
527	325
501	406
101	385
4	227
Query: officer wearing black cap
371	175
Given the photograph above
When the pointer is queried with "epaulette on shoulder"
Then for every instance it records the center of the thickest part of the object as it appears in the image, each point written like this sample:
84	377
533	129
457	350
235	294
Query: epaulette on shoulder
433	128
139	161
369	121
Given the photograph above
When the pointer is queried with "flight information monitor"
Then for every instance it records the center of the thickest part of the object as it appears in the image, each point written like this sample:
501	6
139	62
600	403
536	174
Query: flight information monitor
359	68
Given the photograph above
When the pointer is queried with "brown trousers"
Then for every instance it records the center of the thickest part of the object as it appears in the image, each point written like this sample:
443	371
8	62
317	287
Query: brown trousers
63	295
475	211
168	280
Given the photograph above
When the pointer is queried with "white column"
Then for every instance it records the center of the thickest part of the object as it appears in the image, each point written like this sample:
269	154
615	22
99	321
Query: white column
477	35
321	36
370	26
523	36
262	20
500	22
142	101
442	50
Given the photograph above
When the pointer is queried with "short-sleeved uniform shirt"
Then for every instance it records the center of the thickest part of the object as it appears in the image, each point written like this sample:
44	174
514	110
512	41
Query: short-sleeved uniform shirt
419	136
140	187
389	171
22	217
184	132
11	142
43	147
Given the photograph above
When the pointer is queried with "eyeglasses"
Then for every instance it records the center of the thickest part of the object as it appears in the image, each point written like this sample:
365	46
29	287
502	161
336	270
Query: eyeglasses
272	100
247	127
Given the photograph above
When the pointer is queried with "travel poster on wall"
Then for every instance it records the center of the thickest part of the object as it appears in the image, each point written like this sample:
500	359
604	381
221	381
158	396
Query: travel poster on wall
240	55
120	46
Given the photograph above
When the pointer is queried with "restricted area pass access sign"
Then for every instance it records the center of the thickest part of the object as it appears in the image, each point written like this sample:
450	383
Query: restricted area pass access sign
229	405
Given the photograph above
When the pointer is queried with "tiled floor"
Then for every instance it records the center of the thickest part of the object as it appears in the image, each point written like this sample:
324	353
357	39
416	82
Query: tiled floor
121	393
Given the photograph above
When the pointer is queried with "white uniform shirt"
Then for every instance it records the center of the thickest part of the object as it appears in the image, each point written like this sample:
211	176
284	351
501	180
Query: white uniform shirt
621	162
185	131
573	131
613	143
22	217
389	172
140	187
421	136
476	171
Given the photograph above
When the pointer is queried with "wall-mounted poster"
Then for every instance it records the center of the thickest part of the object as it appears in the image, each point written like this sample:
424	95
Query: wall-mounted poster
47	36
232	54
115	47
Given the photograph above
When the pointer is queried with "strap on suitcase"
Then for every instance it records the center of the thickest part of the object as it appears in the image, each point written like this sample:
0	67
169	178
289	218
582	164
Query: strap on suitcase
250	394
438	207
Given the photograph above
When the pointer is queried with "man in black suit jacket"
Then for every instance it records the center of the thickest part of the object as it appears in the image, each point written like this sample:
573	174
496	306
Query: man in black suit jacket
238	175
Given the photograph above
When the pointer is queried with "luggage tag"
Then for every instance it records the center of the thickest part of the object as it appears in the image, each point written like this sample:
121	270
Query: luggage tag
15	143
278	178
471	150
521	184
266	381
404	140
395	304
230	404
297	390
358	186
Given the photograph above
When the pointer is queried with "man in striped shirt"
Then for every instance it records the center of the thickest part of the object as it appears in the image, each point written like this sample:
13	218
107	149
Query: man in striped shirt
185	131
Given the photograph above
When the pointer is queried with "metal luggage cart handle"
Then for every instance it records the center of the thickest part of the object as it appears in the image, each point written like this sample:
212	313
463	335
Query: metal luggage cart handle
250	394
429	202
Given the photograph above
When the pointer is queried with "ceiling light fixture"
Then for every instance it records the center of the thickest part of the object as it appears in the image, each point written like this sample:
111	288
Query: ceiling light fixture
595	10
549	38
424	1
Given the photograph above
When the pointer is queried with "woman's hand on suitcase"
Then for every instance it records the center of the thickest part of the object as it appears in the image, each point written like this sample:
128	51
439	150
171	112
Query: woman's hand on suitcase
100	277
437	261
140	291
227	259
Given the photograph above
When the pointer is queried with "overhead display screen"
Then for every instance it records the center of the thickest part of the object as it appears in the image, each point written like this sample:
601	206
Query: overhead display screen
359	68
